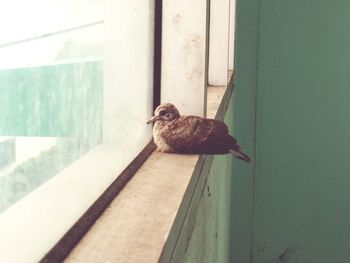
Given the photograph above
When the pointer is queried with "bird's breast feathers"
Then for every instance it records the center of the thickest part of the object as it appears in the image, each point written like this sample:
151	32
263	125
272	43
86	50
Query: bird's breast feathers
159	140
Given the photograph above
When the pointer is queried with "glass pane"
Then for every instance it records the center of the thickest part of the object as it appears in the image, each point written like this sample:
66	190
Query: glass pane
76	92
51	79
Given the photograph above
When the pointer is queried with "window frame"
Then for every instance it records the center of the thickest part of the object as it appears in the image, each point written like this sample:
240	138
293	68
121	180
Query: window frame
72	237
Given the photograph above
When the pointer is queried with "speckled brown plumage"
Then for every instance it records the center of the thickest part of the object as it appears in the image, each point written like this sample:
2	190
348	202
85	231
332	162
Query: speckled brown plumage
192	134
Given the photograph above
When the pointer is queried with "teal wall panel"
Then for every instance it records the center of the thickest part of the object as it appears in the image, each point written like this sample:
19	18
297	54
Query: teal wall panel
210	237
245	81
302	94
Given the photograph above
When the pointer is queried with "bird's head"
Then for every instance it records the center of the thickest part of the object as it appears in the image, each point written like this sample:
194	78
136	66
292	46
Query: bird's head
165	112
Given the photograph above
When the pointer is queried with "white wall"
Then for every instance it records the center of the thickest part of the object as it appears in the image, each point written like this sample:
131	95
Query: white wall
184	55
231	49
219	42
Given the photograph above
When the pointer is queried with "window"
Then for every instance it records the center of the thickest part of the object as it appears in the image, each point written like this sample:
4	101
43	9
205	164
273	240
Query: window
76	80
79	79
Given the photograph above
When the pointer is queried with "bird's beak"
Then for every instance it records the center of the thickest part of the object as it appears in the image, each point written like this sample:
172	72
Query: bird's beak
153	119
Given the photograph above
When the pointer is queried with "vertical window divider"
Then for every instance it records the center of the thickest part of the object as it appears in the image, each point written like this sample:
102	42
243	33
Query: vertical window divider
219	42
185	55
157	65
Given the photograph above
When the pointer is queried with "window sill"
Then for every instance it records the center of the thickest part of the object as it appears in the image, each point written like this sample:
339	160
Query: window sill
67	196
136	225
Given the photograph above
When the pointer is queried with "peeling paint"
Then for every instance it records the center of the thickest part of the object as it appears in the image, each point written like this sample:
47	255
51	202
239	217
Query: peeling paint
177	19
285	256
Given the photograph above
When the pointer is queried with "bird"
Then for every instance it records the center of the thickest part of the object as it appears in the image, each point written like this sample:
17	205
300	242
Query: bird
174	133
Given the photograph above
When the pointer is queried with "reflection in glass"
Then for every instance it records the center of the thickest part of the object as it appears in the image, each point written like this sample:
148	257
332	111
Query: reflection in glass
51	80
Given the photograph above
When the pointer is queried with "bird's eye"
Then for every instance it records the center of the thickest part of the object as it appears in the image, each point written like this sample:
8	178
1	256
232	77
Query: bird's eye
162	112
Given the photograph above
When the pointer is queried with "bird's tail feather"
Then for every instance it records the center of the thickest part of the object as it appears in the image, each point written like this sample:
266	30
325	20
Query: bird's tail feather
240	155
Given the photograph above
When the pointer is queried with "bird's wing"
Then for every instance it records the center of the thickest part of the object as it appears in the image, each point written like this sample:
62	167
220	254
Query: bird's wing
197	135
218	140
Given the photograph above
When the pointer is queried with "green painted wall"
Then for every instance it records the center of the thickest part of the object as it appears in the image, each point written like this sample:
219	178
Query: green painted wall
243	193
209	240
295	115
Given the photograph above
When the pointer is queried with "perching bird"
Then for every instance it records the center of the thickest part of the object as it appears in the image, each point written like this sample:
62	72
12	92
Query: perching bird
192	134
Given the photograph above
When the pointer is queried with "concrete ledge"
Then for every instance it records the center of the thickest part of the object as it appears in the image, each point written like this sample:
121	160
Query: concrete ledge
144	222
